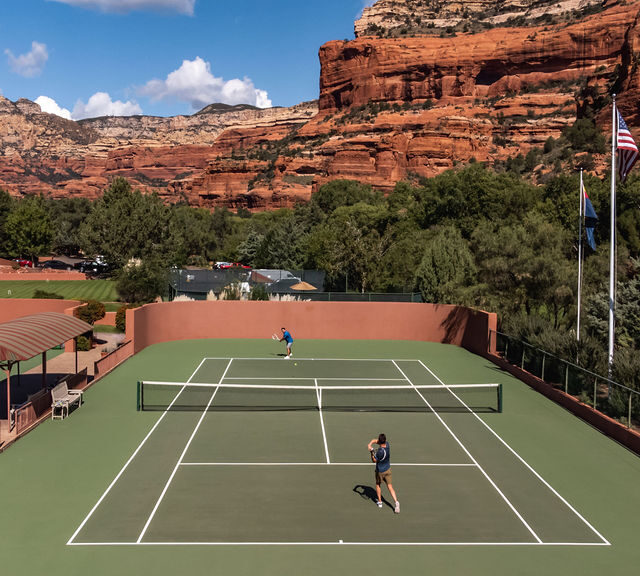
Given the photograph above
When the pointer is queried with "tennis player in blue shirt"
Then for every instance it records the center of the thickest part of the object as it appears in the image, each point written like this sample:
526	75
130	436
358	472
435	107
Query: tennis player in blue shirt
382	459
289	340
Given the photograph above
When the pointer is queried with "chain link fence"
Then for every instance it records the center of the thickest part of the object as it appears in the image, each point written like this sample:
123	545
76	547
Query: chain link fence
607	396
303	284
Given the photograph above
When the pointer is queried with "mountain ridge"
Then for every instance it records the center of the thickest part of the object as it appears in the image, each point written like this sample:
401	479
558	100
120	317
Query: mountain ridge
389	109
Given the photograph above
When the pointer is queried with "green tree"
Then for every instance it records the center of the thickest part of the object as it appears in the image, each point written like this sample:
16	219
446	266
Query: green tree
339	193
28	228
527	266
467	197
585	136
67	216
142	283
126	224
190	235
6	205
447	268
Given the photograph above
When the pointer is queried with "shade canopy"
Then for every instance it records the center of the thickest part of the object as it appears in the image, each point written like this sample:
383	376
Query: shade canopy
303	286
26	337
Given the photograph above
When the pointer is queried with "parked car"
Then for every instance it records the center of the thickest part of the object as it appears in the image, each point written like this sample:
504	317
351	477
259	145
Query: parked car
56	265
227	265
24	263
91	267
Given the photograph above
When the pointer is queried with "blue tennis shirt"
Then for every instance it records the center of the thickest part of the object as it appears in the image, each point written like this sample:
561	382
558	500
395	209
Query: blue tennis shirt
287	337
383	459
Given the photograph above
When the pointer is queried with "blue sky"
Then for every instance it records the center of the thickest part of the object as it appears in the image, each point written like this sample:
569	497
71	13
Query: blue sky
84	58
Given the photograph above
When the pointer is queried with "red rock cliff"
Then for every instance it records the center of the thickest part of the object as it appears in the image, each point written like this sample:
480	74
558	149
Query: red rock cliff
389	109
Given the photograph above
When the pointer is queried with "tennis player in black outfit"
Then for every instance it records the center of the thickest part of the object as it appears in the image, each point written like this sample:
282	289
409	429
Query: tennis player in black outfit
382	459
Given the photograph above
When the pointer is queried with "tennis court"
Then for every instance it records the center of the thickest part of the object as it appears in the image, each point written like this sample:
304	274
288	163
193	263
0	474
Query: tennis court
246	487
273	452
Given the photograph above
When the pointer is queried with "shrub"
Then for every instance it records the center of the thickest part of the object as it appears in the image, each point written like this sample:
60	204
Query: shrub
44	295
259	292
231	292
585	136
121	317
91	312
549	144
83	344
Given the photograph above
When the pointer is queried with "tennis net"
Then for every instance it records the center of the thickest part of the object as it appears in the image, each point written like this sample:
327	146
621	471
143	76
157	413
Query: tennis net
177	396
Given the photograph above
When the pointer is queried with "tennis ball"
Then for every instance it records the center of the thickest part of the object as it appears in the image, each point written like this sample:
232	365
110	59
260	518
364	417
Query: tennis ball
295	363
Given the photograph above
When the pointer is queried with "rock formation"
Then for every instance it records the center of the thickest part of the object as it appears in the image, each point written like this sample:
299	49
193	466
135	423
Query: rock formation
410	17
389	109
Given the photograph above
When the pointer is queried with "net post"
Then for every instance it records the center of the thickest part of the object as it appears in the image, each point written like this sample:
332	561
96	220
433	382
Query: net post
138	396
500	398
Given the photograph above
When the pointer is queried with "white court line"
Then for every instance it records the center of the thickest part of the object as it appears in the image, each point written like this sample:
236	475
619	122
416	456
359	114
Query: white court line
315	386
553	490
395	464
130	459
175	469
312	378
502	495
319	359
338	543
324	434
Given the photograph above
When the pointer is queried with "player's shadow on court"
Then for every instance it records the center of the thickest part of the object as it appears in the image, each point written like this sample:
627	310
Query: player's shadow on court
369	493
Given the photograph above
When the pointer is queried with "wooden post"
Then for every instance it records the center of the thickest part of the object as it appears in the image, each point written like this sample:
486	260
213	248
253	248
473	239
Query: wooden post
9	397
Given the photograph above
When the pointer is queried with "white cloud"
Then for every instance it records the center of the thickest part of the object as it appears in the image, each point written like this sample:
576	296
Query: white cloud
51	106
100	104
181	6
194	83
30	64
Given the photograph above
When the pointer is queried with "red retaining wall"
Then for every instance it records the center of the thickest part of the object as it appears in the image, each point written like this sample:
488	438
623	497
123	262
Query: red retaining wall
169	321
108	320
12	308
608	426
110	361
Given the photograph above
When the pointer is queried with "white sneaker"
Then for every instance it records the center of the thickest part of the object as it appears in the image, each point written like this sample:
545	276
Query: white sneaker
397	508
287	357
379	504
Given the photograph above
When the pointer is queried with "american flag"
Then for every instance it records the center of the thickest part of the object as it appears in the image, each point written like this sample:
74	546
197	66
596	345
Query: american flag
627	149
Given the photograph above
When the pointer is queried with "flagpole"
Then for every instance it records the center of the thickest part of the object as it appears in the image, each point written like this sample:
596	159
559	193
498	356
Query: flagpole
580	264
612	250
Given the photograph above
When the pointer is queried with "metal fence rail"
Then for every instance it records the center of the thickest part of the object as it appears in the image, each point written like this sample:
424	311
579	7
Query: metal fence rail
607	396
197	284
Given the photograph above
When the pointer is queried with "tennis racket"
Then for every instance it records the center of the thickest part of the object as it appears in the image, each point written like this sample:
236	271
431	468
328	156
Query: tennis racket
275	337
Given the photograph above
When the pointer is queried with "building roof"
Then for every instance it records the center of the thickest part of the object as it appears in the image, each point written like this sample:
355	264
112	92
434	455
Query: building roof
26	337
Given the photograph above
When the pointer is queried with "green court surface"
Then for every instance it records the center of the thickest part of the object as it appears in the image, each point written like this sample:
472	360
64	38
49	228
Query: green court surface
244	474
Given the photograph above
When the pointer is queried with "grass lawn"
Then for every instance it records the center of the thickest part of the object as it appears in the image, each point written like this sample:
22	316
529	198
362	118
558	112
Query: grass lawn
101	290
106	329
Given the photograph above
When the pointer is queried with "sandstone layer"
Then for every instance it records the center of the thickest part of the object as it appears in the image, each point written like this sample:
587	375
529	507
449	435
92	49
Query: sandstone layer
389	109
410	17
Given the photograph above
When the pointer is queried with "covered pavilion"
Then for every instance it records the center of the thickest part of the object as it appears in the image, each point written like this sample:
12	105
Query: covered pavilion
26	337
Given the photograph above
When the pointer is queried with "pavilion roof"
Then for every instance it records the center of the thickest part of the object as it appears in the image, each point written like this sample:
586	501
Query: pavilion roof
25	337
